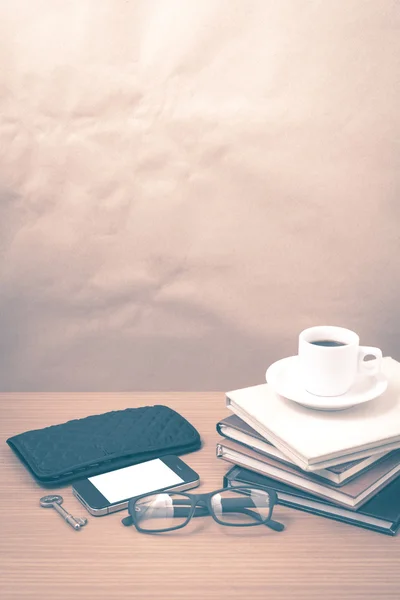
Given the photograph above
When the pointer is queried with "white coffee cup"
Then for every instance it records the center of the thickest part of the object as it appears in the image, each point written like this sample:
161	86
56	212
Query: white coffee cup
330	358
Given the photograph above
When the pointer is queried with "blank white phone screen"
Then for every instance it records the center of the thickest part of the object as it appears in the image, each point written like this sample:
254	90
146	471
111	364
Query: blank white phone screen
135	480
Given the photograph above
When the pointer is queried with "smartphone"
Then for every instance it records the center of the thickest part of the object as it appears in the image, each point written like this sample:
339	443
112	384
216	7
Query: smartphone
109	492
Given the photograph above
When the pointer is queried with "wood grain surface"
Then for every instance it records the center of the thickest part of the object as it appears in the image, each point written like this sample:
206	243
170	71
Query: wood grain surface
42	557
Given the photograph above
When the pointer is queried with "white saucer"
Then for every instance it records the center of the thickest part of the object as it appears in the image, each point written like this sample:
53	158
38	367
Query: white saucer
284	377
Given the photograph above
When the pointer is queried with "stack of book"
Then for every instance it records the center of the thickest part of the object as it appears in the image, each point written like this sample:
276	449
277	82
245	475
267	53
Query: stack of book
344	465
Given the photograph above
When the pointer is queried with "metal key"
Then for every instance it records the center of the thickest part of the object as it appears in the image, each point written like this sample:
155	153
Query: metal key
53	501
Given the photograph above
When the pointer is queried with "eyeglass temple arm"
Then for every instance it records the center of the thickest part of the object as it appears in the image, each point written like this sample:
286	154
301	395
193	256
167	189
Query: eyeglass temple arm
271	523
228	505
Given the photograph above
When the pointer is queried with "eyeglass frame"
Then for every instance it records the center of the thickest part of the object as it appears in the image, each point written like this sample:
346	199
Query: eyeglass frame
203	501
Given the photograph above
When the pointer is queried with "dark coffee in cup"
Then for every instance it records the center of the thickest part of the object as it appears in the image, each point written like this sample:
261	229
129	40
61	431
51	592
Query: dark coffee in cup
328	343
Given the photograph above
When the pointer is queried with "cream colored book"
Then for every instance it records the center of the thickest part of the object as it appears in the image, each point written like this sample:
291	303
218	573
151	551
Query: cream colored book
316	439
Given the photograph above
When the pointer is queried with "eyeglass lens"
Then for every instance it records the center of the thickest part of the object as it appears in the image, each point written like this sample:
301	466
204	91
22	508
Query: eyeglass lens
247	507
162	511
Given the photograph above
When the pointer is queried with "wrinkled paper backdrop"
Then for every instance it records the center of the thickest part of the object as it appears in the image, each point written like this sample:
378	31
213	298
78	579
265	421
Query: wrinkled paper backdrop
185	185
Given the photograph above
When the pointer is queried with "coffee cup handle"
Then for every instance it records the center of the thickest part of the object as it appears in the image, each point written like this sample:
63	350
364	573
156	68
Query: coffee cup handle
370	367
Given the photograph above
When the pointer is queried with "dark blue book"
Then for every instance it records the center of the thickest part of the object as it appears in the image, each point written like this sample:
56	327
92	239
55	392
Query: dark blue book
381	513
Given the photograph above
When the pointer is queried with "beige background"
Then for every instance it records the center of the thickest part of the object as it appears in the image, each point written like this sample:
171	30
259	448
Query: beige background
185	185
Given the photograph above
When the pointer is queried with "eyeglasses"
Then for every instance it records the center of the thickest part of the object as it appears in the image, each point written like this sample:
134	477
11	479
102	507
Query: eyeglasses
240	506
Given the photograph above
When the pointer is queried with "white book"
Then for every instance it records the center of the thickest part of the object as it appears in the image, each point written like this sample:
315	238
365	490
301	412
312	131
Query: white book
316	439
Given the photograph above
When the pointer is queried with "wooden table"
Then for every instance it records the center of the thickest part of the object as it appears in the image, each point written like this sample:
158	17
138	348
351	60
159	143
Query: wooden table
42	557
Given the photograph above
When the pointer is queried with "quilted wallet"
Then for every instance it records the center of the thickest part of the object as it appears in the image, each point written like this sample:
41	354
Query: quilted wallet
85	447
